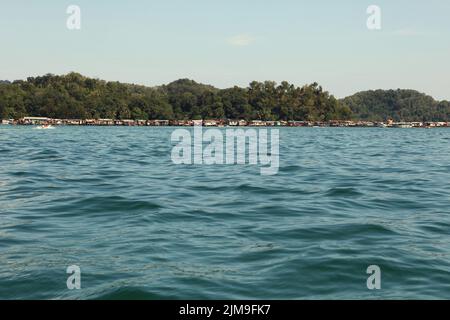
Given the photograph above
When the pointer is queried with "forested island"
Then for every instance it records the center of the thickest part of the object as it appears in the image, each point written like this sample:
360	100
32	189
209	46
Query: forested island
74	96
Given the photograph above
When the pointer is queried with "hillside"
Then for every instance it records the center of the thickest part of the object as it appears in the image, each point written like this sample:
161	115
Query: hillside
75	96
400	105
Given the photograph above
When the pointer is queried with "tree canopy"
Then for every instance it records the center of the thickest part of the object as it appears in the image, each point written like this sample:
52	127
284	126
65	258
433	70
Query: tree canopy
74	96
399	105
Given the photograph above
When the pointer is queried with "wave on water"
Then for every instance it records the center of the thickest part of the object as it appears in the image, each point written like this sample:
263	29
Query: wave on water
140	227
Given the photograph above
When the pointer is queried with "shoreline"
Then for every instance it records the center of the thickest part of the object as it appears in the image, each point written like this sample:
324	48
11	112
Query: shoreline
41	121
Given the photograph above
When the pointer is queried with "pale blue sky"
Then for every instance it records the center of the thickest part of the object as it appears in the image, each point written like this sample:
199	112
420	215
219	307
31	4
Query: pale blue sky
232	42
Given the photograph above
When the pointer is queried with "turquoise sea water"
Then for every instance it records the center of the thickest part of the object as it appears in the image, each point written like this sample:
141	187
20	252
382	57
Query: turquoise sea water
110	201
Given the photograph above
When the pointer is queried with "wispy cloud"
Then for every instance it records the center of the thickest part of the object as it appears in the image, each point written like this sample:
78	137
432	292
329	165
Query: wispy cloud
407	32
241	40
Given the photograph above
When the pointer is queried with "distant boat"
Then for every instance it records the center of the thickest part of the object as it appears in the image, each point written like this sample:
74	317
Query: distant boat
403	125
45	127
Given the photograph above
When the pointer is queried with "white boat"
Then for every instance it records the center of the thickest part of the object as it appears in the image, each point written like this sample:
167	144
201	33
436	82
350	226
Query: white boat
403	125
45	127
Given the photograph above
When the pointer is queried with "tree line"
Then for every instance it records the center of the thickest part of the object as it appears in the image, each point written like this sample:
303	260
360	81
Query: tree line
74	96
399	105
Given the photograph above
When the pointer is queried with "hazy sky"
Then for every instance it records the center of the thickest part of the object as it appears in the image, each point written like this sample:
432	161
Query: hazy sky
232	42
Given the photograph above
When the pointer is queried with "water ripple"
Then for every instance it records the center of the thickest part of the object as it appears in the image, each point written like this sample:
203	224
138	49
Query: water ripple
140	227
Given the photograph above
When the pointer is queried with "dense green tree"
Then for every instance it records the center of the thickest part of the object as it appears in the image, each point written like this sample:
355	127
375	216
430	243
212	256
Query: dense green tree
399	105
76	96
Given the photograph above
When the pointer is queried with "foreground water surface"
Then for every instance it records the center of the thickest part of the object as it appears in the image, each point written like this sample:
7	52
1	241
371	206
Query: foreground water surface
110	201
